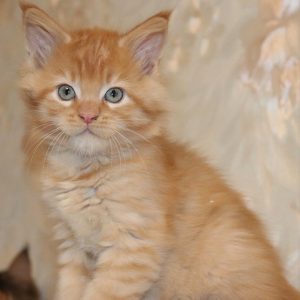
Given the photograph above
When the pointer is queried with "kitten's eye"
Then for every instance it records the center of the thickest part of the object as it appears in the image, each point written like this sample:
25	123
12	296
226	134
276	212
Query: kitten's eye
114	95
66	92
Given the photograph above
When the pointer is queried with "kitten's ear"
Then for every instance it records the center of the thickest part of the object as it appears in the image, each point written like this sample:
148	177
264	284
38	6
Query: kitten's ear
146	41
42	33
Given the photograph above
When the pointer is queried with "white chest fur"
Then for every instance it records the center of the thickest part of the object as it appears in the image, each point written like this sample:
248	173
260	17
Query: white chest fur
102	208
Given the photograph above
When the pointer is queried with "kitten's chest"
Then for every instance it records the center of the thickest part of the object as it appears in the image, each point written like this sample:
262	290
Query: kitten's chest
82	204
100	208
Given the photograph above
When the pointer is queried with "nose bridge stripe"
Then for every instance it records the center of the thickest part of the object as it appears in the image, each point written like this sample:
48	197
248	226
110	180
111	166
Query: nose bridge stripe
88	108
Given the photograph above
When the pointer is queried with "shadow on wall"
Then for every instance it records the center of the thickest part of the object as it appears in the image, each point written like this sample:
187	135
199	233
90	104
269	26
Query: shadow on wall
16	283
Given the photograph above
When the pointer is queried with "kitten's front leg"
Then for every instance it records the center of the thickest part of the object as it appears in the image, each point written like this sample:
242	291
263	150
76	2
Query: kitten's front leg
72	279
126	273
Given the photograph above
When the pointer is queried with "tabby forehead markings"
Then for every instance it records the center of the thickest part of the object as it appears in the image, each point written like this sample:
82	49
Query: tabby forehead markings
104	52
91	60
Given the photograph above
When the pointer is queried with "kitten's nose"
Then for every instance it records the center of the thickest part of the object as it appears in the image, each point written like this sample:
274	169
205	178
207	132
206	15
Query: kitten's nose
88	117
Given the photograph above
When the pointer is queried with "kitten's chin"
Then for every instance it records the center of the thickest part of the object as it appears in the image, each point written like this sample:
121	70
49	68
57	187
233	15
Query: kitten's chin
88	145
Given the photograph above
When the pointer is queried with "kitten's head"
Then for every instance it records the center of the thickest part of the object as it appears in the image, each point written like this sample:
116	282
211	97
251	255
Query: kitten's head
90	90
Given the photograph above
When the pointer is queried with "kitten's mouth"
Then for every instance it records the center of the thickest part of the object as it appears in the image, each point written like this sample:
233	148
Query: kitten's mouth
87	131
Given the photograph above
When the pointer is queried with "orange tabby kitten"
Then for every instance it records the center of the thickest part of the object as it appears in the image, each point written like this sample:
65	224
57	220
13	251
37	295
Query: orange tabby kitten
139	216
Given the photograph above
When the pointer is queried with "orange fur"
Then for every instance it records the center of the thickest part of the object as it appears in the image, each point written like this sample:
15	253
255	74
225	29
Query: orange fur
139	216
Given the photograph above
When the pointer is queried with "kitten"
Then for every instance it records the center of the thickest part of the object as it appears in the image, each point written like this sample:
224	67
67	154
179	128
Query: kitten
139	216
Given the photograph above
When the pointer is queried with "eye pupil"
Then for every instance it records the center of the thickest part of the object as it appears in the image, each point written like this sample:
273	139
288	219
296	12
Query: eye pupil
66	92
114	95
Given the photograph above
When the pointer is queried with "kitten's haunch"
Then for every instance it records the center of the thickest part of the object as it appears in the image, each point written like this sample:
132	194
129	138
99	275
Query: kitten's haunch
138	216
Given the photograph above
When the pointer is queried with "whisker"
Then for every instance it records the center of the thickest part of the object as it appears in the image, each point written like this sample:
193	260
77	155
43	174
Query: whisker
129	142
133	119
51	147
111	154
114	141
38	130
141	137
122	152
42	125
41	141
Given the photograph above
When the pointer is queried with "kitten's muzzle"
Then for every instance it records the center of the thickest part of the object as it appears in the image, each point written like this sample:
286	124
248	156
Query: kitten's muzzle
88	117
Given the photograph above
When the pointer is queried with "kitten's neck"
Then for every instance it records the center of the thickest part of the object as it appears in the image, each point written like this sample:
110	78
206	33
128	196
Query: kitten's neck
70	162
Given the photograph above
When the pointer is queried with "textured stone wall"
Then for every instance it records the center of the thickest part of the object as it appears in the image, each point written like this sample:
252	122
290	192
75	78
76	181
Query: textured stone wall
233	72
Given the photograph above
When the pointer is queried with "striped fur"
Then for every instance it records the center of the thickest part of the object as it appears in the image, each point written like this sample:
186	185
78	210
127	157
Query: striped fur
138	216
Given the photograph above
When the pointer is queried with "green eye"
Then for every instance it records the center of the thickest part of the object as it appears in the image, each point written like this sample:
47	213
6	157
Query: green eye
114	95
66	92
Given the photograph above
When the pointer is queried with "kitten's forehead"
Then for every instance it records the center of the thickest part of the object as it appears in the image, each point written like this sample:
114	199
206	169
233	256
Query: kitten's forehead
92	43
91	54
93	60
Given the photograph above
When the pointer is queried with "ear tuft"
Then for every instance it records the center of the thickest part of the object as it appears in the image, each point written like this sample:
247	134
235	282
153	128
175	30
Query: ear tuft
42	33
146	41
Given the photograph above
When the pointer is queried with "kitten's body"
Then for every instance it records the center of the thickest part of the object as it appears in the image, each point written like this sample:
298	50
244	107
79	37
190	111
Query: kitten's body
140	217
176	220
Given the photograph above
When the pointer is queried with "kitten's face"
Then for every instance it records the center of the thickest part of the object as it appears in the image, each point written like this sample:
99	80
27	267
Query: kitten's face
96	91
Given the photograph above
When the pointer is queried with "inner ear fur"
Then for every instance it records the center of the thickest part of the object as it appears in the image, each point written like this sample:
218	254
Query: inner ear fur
146	40
43	34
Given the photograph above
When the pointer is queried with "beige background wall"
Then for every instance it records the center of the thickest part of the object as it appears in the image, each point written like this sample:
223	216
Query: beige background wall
233	74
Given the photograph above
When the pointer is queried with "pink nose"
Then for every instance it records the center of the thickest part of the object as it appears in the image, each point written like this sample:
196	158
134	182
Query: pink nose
88	117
